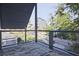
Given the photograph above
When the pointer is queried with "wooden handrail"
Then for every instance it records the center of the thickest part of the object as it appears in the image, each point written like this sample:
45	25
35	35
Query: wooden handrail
22	30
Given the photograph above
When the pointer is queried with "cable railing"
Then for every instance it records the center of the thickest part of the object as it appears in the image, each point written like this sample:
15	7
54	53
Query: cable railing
51	36
65	40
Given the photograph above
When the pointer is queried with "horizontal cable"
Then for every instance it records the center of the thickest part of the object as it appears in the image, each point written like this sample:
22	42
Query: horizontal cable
22	30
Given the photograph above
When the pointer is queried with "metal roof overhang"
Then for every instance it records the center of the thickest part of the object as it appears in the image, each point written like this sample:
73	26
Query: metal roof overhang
15	15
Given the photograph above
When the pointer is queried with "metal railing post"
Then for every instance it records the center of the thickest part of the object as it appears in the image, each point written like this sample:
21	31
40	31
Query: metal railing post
1	52
25	35
36	22
0	27
0	42
50	40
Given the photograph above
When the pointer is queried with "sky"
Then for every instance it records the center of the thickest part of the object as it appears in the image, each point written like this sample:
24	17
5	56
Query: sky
44	10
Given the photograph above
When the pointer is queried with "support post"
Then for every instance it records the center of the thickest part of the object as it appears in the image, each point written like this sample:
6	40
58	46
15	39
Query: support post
50	40
0	27
25	35
36	22
0	42
1	52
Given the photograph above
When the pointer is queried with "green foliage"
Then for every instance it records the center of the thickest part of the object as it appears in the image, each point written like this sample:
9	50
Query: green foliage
30	37
49	27
74	48
73	7
62	21
22	36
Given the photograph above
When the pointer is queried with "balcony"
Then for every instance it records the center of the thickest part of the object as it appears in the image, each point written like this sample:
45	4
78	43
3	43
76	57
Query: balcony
48	45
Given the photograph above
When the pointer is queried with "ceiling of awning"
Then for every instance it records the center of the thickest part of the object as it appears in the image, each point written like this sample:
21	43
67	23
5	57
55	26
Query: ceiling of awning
15	15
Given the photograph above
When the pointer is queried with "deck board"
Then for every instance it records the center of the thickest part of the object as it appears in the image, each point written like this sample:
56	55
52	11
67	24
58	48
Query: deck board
31	49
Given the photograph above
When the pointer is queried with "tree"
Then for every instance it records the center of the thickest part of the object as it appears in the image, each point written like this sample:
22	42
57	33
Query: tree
62	21
74	9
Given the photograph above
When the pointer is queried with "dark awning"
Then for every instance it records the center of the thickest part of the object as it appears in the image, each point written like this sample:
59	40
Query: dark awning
15	15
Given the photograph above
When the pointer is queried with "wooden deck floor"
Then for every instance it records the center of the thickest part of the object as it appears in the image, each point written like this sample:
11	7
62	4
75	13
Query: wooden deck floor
31	49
